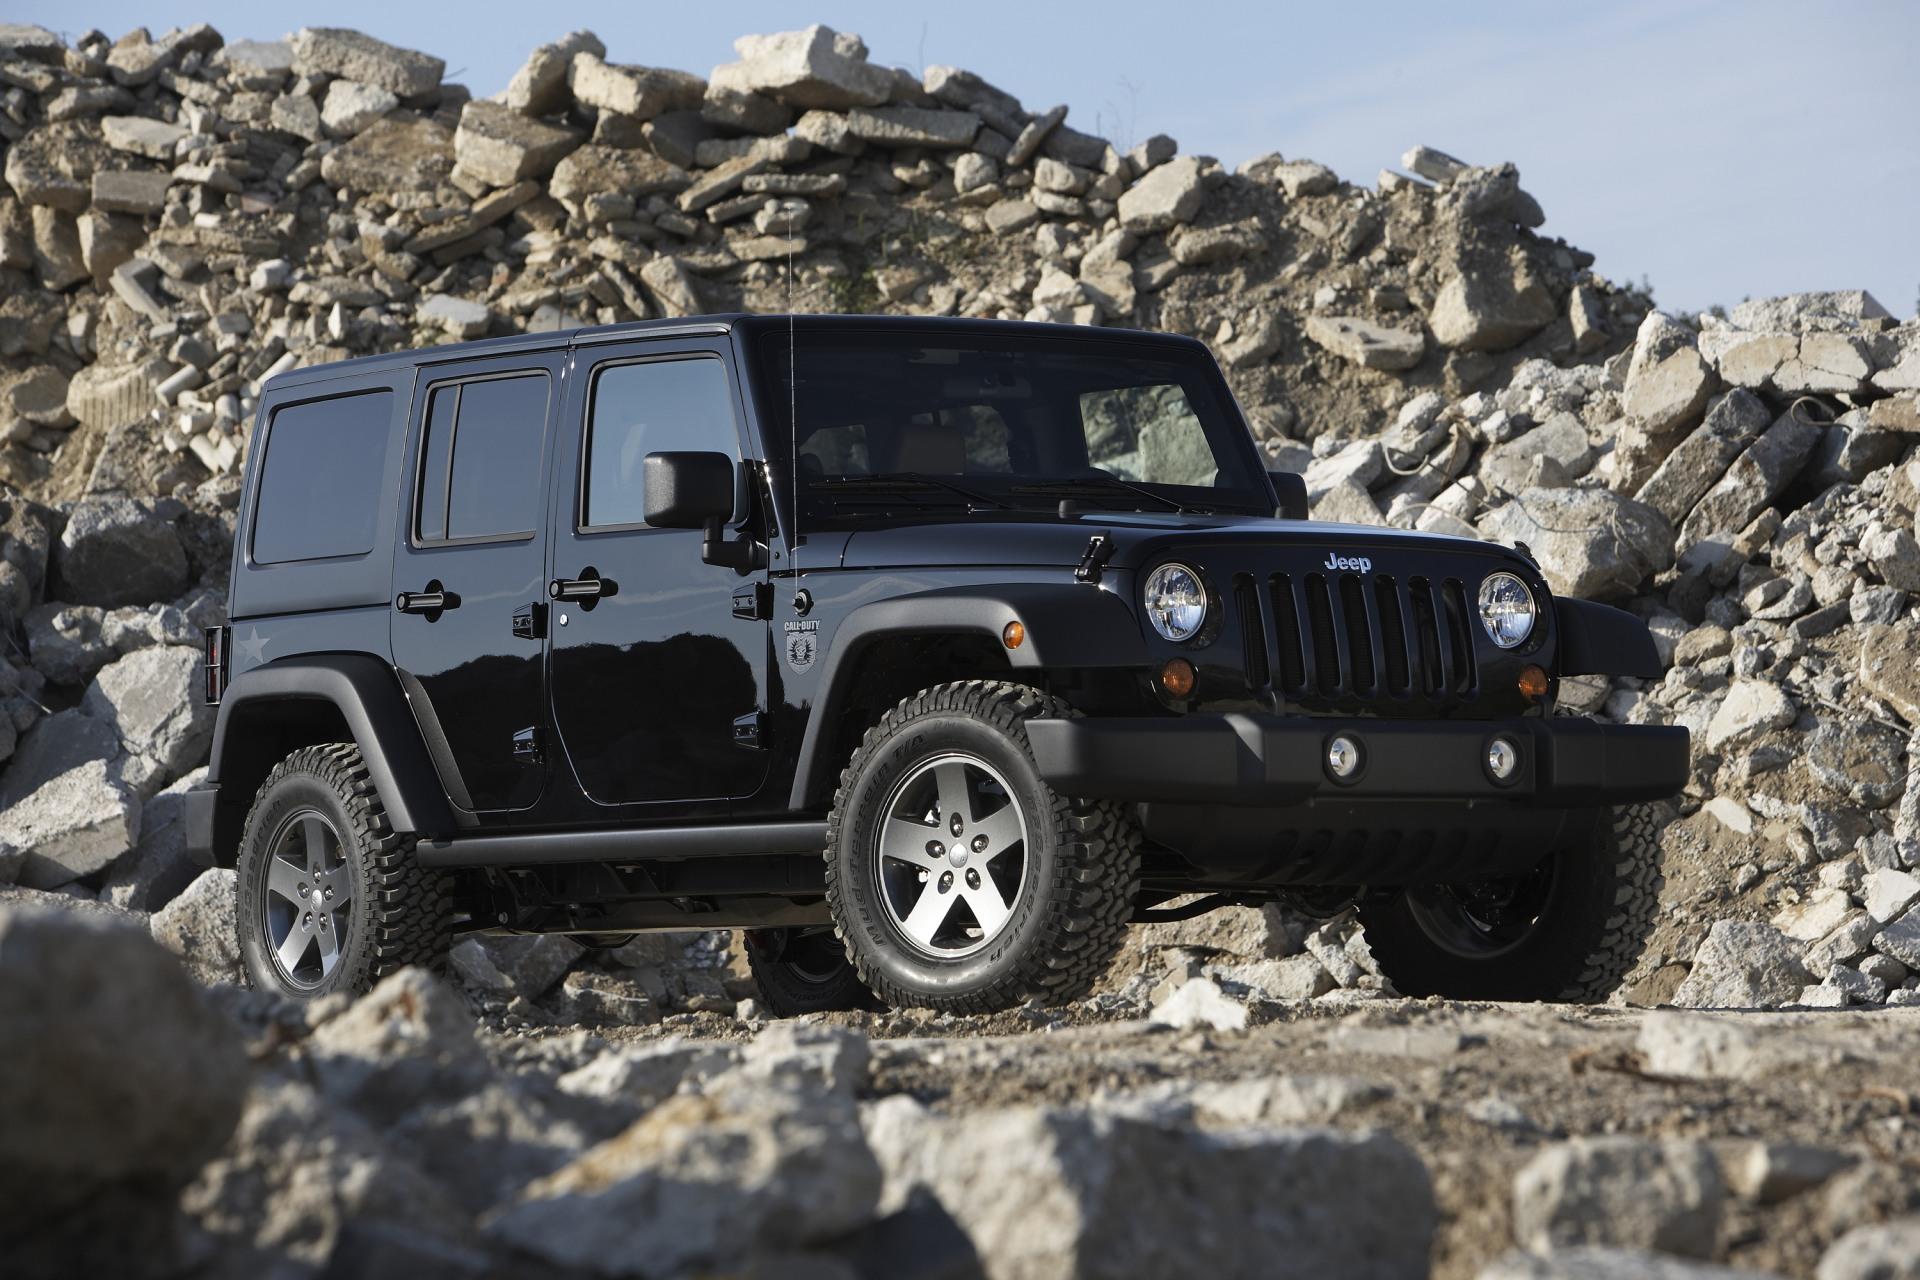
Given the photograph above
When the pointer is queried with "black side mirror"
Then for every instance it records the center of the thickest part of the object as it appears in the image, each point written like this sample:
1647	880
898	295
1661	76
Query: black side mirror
689	490
1289	495
686	490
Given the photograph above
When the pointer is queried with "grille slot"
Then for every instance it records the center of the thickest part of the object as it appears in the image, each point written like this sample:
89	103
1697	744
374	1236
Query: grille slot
1350	639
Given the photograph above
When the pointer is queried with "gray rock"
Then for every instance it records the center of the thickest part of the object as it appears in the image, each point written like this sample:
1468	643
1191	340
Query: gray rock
1589	542
1096	1195
1900	939
539	88
1750	709
199	927
636	93
1371	346
65	644
593	169
807	1058
1751	484
1770	1172
401	153
1887	1251
1489	310
71	826
1166	197
408	1042
151	699
131	1083
814	68
1888	893
56	744
1860	761
1200	1002
532	963
1743	965
913	127
700	1184
604	1000
645	1074
1800	311
502	147
352	107
1594	1262
140	136
159	868
354	56
1665	1196
1733	422
116	551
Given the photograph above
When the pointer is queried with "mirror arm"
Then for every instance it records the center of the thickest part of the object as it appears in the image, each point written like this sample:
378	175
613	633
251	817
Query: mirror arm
743	554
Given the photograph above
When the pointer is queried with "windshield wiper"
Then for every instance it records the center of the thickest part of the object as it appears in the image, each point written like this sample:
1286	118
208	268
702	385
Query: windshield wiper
902	482
1106	484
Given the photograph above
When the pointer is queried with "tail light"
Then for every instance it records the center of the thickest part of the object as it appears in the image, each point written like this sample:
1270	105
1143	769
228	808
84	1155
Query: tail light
216	664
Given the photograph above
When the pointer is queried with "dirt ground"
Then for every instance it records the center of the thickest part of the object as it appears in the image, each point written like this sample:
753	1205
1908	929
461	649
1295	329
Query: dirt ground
1476	1089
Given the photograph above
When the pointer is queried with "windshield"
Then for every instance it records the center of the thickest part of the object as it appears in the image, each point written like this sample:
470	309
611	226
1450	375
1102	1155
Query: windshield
893	422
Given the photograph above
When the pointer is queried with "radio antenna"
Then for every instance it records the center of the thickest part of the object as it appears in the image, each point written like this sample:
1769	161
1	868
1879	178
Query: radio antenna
793	413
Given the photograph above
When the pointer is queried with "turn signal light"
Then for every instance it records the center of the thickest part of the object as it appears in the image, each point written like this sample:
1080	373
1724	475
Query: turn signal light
1533	683
1177	678
1013	635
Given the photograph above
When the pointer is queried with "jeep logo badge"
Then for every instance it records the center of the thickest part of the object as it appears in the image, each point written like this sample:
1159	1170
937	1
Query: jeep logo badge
1360	563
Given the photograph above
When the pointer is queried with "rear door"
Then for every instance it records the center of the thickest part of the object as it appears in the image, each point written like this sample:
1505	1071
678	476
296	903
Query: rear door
470	574
658	685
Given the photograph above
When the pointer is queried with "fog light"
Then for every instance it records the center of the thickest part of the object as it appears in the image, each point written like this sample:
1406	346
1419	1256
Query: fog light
1503	760
1533	683
1177	678
1014	635
1343	758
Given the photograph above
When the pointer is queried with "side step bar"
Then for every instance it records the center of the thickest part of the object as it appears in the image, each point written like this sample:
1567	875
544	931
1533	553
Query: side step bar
642	844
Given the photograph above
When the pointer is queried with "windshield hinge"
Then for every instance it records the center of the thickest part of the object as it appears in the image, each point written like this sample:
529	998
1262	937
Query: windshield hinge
1099	551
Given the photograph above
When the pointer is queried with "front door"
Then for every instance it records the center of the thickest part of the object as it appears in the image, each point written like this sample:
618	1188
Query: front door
658	681
470	572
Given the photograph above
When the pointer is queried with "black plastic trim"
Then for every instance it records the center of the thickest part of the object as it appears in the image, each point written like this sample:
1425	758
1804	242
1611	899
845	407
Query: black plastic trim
624	844
1600	640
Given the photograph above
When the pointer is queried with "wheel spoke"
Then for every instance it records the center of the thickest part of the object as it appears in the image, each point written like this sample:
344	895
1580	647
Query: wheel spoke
284	880
928	914
951	778
989	908
1002	828
329	947
293	948
905	840
313	832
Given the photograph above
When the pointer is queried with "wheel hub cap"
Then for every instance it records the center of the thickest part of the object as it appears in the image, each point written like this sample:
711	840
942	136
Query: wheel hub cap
952	855
307	905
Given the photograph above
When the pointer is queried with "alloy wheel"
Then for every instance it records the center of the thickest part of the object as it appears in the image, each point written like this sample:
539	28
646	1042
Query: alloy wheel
308	900
953	855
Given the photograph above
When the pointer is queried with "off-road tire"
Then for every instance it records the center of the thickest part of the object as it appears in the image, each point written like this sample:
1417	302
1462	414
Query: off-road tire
1082	873
402	913
827	983
1596	921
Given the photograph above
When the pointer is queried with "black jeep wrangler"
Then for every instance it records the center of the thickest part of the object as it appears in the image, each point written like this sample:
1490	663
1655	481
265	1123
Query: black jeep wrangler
931	653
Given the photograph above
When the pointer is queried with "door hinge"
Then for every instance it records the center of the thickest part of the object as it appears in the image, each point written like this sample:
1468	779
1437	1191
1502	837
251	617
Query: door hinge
1099	551
754	602
746	730
528	745
530	621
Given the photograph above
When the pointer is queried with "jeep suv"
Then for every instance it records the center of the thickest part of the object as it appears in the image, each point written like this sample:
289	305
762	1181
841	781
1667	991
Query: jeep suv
931	653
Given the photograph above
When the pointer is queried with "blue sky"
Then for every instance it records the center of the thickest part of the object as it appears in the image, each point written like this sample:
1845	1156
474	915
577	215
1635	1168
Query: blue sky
1719	149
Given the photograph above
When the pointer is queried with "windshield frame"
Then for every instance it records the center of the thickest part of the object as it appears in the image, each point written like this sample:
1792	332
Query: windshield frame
761	343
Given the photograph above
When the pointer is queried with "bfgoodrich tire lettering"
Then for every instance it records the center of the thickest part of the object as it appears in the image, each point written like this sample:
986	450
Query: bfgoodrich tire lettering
1598	899
1081	860
399	913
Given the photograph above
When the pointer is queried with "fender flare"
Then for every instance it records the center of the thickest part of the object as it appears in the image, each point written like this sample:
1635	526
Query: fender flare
369	699
1067	625
1600	640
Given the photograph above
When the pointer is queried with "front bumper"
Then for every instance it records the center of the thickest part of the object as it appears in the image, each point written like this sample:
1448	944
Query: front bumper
1263	760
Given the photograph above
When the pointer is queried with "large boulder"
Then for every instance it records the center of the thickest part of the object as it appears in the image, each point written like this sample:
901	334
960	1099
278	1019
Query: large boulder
1665	1196
500	146
1743	965
117	551
199	926
1591	543
1750	485
350	55
1046	1192
1169	195
402	153
1696	464
1371	346
71	826
539	88
1490	310
54	164
816	67
152	699
159	867
119	1081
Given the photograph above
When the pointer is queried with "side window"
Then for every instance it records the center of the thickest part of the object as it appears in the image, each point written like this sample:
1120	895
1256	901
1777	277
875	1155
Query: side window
319	494
480	459
659	406
1147	434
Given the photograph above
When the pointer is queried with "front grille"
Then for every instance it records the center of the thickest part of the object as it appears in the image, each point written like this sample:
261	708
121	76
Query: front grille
1347	638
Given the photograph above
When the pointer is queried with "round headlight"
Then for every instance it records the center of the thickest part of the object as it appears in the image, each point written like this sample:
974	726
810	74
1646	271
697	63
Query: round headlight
1176	601
1507	609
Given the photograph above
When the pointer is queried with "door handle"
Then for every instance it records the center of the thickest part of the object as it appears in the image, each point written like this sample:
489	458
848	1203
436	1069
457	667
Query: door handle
433	601
588	587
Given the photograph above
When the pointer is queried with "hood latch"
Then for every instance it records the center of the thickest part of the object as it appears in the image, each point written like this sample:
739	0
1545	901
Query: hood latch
1099	551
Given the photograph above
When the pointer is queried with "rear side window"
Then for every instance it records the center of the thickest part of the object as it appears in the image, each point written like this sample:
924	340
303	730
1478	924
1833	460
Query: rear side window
319	495
480	459
660	406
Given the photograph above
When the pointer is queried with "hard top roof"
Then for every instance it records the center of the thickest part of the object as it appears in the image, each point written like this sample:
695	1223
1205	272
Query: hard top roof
712	325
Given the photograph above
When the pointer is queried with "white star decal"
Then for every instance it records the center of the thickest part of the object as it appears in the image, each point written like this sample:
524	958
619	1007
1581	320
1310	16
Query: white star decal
253	647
